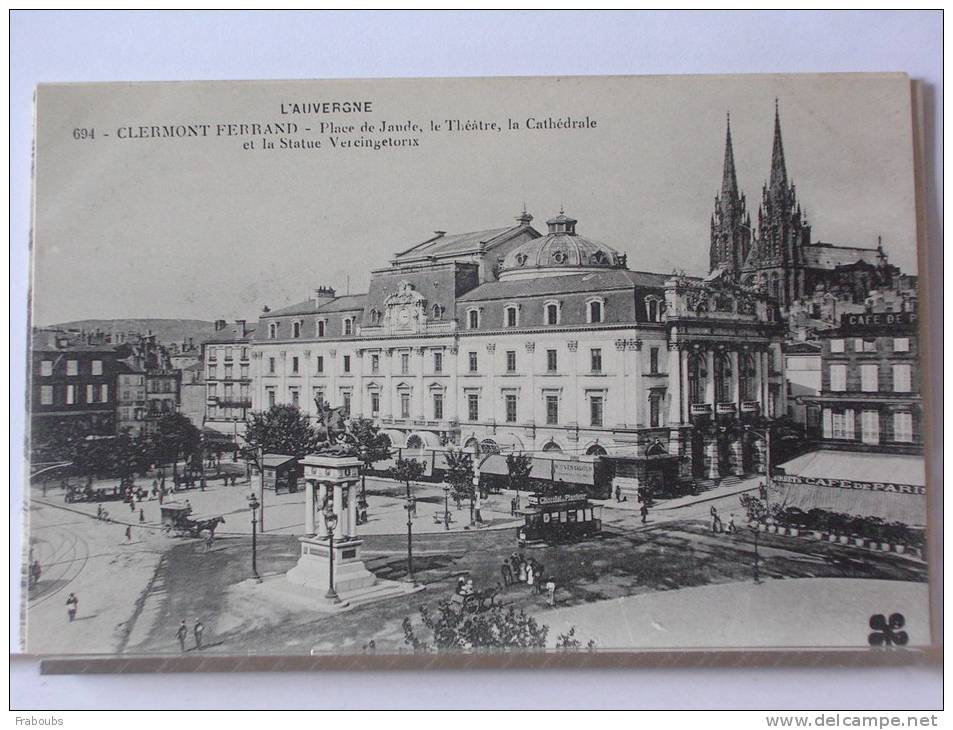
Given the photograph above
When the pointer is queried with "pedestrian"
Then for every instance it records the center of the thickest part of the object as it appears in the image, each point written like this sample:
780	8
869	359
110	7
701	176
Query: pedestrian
142	516
763	492
551	592
181	635
530	572
132	504
715	520
188	505
731	524
155	485
99	511
129	533
618	493
197	631
521	571
72	606
161	495
644	511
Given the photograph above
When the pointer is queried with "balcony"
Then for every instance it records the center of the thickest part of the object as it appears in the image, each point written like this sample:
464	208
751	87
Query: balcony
235	403
699	410
750	407
725	409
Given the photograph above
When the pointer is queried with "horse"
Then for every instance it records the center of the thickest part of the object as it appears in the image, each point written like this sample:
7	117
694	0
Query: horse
209	525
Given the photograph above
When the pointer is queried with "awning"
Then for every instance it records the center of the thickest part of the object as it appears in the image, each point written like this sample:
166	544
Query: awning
429	439
273	461
889	486
507	442
397	438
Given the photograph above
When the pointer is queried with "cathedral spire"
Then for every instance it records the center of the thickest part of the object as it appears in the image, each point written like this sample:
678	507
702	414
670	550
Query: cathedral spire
729	180
779	173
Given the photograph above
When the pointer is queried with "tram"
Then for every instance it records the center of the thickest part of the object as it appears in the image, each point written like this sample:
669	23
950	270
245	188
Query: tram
559	518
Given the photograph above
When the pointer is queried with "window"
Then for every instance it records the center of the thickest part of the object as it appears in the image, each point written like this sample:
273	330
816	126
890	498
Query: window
70	394
595	357
595	311
243	392
901	378
510	408
404	363
903	427
271	366
473	367
722	378
244	353
552	410
842	424
90	394
321	326
438	362
837	345
870	345
228	371
552	314
271	397
293	393
375	404
438	406
405	405
375	363
46	395
868	378
473	406
46	368
655	410
244	372
653	360
511	361
347	363
346	403
473	319
211	371
295	330
211	390
72	367
510	318
348	328
317	395
901	344
228	353
551	361
320	364
838	378
97	367
595	410
273	331
436	311
870	427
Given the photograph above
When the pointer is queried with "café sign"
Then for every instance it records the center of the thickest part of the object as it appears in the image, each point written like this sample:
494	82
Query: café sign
880	320
889	487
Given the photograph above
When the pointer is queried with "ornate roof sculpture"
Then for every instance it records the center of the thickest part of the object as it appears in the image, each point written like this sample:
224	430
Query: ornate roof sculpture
561	251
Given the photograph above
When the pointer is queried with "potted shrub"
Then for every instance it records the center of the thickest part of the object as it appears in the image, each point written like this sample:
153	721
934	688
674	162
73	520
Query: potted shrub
838	528
857	527
796	520
817	521
875	533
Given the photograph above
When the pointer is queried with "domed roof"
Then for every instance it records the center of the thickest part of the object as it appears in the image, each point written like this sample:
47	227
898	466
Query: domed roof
562	251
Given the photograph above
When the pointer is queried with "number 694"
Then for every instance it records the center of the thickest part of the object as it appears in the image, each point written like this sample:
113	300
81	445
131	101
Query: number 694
84	133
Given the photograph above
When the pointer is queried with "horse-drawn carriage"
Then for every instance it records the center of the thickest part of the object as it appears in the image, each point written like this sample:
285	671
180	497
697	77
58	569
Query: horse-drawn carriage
475	602
87	494
176	521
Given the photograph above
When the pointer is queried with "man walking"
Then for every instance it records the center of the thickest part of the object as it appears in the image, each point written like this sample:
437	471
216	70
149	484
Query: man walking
142	516
644	512
198	630
72	605
129	533
715	520
181	635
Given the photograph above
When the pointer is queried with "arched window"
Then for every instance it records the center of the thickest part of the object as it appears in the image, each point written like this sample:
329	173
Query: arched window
552	446
273	331
552	313
596	450
511	316
296	329
348	326
746	376
696	379
595	311
651	309
473	319
722	378
436	312
320	328
775	285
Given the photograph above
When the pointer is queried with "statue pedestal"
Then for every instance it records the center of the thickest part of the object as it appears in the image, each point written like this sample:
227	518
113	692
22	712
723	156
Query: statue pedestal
313	566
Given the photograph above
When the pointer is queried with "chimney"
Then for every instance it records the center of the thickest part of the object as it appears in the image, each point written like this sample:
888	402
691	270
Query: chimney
323	295
242	329
219	325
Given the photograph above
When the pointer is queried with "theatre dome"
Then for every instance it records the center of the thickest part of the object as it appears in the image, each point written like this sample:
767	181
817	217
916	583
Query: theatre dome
561	251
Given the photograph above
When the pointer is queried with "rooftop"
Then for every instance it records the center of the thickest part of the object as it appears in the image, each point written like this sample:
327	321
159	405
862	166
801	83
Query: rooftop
592	281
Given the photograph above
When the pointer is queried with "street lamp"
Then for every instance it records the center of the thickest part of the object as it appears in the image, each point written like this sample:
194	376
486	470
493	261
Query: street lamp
410	524
202	472
363	457
331	522
235	439
446	506
766	436
254	504
757	577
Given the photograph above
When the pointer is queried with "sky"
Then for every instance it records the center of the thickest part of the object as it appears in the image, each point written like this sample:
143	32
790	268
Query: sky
202	228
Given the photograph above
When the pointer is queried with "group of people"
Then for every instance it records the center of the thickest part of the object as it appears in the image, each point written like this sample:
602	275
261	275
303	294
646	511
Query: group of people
519	569
718	526
182	634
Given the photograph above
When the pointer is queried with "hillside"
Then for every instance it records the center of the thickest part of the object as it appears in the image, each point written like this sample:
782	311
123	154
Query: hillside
167	331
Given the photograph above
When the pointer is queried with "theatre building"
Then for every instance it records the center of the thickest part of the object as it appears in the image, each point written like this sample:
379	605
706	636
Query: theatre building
871	457
511	340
